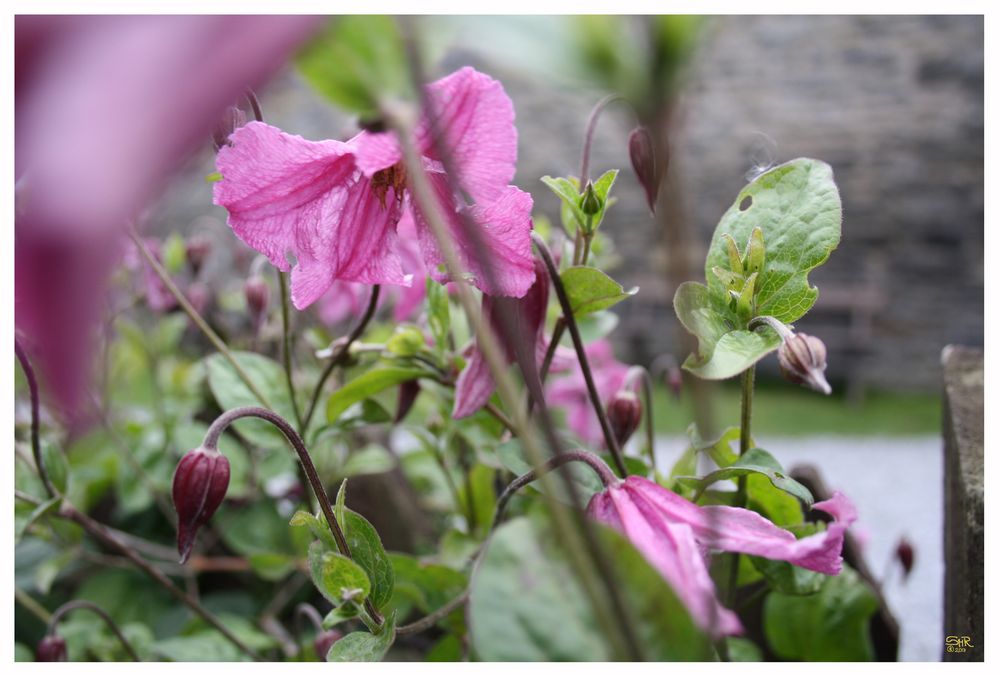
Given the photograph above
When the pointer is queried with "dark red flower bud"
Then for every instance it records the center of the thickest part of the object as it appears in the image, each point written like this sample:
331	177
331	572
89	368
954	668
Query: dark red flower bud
674	381
643	161
52	649
232	119
624	412
803	360
197	248
325	640
906	556
258	295
199	485
407	395
199	295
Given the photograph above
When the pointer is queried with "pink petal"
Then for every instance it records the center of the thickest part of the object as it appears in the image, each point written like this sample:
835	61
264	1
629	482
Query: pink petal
288	195
474	387
343	300
504	227
671	548
740	530
475	117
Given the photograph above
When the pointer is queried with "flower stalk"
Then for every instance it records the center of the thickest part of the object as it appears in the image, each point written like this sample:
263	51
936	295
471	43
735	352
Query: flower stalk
103	615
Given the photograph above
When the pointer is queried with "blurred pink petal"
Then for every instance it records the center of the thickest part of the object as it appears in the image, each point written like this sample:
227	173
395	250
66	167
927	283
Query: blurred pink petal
569	391
675	535
105	108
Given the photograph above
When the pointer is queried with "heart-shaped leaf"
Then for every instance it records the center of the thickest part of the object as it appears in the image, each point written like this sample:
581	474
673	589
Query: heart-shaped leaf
754	461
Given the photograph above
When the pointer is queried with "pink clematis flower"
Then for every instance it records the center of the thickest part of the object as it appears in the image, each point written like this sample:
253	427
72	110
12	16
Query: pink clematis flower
570	393
335	205
675	536
475	384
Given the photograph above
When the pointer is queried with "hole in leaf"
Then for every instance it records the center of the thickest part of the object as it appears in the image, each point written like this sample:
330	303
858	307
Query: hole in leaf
746	203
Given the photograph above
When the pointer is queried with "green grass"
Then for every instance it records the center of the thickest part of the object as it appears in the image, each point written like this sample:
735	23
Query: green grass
785	409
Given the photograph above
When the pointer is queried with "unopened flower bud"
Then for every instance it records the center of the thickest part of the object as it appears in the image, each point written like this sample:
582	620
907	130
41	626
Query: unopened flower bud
590	204
199	295
643	161
407	396
52	649
197	248
624	412
199	485
324	640
258	295
674	381
906	556
803	360
232	119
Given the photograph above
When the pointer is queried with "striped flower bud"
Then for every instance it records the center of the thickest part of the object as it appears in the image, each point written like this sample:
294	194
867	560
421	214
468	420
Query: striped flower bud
803	360
643	161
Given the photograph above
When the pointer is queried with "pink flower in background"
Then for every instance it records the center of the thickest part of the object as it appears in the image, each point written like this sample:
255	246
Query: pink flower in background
335	206
347	300
106	107
675	536
569	392
475	384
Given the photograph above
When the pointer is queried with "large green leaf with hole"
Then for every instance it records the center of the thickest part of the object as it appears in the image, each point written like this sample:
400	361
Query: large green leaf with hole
797	207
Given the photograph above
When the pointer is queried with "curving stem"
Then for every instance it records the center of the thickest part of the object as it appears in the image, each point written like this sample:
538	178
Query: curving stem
36	445
90	606
584	364
222	422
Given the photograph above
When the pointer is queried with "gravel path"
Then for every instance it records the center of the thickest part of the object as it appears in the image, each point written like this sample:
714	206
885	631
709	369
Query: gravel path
897	485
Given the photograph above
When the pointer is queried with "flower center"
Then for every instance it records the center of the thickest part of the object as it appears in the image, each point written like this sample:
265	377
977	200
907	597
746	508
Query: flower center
393	177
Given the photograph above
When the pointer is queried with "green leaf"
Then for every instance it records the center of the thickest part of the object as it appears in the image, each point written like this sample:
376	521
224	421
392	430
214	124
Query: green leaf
568	191
336	577
367	384
36	514
230	392
754	461
438	313
405	341
742	650
427	587
271	566
778	506
787	578
56	466
366	549
316	525
831	625
590	290
256	529
363	646
723	351
370	460
797	207
526	604
355	61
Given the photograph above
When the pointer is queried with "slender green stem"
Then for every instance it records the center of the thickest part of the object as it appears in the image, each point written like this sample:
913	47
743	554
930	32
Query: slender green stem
286	345
584	364
587	558
90	606
36	445
341	355
745	441
219	425
32	605
199	321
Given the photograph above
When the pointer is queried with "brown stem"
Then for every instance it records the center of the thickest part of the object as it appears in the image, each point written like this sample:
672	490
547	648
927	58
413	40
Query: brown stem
431	619
222	422
591	127
584	364
341	354
36	445
90	606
